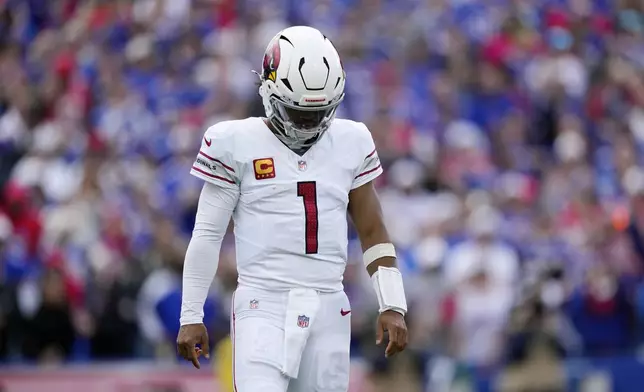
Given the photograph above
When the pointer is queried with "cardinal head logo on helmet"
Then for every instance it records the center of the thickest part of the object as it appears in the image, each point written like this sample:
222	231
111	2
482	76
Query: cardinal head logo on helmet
271	60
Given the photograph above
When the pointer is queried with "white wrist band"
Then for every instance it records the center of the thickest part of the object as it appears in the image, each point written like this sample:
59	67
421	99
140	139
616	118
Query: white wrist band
378	251
388	285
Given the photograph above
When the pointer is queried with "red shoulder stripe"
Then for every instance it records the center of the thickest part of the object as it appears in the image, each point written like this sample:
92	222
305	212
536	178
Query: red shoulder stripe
364	173
212	175
218	161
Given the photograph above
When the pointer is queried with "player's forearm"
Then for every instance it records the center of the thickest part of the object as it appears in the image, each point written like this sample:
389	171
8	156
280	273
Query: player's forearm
366	213
379	253
370	226
202	257
200	267
373	235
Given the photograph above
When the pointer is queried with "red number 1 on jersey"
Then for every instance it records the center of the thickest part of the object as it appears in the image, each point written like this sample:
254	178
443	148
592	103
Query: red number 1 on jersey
308	192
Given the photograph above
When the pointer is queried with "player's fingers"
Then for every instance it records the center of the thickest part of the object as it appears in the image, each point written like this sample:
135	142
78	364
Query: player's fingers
194	358
390	350
393	334
392	347
205	346
380	332
183	351
400	335
401	340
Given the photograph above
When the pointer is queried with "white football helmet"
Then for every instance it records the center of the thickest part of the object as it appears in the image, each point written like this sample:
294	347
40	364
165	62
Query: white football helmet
302	83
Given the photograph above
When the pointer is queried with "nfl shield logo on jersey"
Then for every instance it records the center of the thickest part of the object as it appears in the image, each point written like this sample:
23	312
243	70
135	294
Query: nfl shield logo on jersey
301	165
254	304
302	321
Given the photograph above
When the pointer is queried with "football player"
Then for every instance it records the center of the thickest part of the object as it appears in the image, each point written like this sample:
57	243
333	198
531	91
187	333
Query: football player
288	181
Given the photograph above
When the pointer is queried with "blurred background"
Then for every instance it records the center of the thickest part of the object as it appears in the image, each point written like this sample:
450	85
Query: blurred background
511	132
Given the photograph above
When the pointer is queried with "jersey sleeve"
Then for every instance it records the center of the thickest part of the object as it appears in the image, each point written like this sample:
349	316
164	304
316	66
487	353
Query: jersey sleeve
370	167
215	161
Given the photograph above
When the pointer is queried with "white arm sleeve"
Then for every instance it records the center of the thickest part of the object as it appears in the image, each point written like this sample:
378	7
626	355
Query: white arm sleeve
216	205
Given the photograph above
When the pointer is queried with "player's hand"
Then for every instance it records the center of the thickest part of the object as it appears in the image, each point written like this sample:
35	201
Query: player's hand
394	323
189	337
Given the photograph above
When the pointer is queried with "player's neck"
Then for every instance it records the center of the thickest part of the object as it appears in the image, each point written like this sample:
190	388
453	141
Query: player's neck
298	151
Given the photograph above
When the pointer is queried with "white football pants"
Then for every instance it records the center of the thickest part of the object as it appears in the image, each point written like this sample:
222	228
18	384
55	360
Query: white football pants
257	329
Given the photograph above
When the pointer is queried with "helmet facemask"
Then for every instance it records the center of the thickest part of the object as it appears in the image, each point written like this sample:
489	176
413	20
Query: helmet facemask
300	126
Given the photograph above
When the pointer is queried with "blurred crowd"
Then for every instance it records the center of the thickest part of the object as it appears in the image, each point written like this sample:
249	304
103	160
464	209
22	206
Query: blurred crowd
511	132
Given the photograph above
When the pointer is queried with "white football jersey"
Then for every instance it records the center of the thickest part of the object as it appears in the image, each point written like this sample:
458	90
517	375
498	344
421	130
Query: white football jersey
291	215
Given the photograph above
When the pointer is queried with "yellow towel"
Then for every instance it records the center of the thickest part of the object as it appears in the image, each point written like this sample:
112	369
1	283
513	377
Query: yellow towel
224	365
